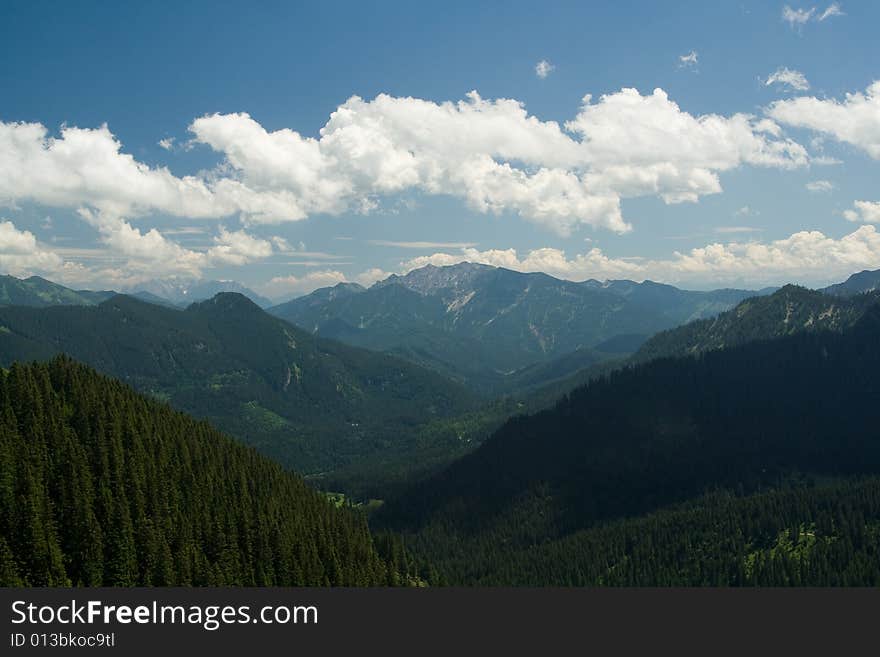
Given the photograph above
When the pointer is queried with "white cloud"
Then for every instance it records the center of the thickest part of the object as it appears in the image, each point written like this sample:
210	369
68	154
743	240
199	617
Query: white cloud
797	17
804	256
492	154
786	77
367	278
544	68
291	286
820	186
167	143
85	167
238	248
497	158
283	246
864	211
855	120
20	253
547	260
690	60
148	253
832	10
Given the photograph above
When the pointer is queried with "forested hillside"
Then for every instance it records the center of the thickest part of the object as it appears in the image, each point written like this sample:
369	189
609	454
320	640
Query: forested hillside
102	486
312	404
800	534
790	310
646	437
38	292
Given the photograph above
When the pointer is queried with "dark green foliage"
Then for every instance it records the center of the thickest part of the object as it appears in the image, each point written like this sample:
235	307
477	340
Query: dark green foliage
790	310
314	405
102	486
797	536
655	435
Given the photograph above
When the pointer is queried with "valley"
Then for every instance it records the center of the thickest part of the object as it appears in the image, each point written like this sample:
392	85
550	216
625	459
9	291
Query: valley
555	473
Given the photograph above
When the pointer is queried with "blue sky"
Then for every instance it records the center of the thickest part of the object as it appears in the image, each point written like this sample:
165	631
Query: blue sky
729	175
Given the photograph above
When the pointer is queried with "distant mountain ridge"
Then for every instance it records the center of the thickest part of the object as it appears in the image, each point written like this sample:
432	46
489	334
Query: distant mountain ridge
40	293
183	293
312	404
480	324
790	310
864	281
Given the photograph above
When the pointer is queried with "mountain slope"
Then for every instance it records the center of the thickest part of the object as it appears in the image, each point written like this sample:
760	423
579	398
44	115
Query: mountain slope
801	534
313	404
39	293
654	435
100	486
790	310
864	281
481	324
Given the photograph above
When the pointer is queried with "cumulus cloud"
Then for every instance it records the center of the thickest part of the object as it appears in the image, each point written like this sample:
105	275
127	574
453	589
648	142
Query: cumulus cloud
820	186
491	154
864	211
239	248
85	167
786	77
855	120
370	276
804	256
20	253
497	157
149	253
552	261
282	287
544	68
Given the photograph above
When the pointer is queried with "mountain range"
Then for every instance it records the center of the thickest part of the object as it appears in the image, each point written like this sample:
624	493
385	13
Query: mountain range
735	448
481	325
39	292
182	292
864	281
790	310
312	404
